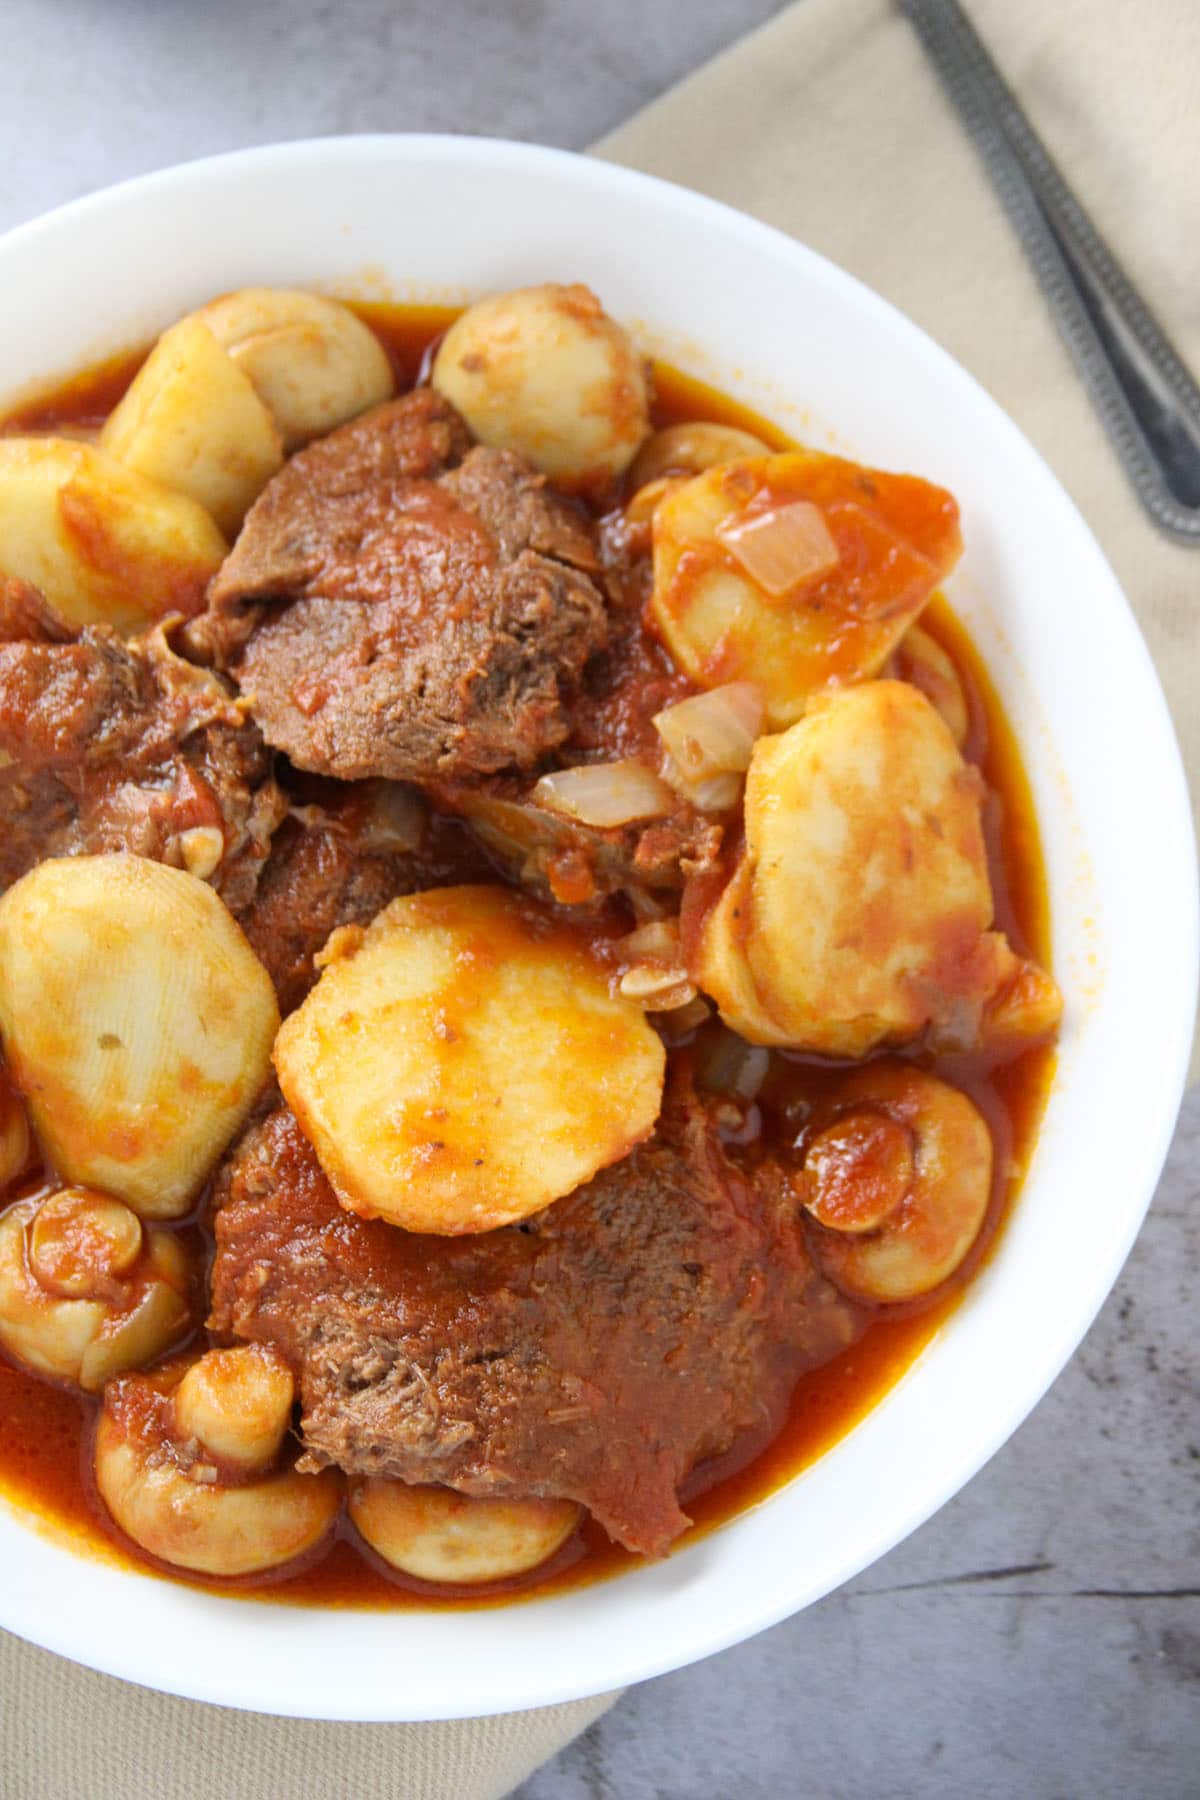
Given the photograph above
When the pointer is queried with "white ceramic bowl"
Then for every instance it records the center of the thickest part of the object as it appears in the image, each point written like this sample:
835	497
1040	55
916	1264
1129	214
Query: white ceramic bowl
428	218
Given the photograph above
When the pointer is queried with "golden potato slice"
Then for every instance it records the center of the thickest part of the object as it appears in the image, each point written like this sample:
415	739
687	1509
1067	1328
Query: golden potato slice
867	549
312	362
438	1535
192	420
137	1023
101	542
546	372
860	910
464	1061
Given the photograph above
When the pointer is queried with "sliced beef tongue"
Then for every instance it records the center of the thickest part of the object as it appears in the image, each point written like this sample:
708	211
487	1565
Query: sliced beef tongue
401	605
108	744
598	1352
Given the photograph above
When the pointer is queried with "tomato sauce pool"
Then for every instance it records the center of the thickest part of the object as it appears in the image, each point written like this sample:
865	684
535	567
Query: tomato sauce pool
46	1431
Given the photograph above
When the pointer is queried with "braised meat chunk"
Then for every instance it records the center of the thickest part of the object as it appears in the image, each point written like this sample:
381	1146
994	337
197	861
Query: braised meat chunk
399	604
597	1352
107	744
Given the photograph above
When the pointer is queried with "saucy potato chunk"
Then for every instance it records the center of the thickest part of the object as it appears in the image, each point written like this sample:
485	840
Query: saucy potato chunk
860	910
796	570
137	1024
103	543
191	420
463	1062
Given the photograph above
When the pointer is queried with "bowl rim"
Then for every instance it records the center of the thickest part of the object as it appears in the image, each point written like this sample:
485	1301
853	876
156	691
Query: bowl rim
641	1660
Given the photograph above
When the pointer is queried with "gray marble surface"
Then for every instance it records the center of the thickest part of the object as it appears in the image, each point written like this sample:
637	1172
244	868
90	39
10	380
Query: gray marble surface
1041	1636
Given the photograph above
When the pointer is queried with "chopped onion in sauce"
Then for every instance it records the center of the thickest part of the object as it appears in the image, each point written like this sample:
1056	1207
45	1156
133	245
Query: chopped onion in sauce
656	941
713	734
783	547
606	794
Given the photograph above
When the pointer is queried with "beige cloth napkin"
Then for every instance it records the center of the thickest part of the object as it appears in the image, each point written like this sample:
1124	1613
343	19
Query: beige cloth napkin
829	124
67	1731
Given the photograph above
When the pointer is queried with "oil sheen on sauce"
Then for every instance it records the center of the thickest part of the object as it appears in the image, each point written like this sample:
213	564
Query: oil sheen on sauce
45	1430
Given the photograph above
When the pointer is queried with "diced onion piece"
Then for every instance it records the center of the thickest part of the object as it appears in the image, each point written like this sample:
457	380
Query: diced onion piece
395	819
654	973
782	548
720	793
713	733
656	941
606	794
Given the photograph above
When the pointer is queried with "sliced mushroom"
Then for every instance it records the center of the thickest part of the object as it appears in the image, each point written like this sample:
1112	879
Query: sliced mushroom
86	1290
439	1535
188	1471
897	1177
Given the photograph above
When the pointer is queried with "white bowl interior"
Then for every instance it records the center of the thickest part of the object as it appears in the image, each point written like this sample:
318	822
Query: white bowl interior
765	319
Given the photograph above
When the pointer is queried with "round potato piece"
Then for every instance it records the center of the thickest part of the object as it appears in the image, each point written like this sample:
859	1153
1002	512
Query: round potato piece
137	1023
464	1061
14	1133
312	363
438	1535
860	910
104	544
191	420
876	547
546	372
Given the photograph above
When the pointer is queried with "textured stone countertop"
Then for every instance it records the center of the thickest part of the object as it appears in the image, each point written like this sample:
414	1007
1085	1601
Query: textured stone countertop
1040	1637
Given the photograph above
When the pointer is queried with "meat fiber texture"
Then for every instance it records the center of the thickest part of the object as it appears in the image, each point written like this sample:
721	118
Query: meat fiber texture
111	745
401	604
597	1352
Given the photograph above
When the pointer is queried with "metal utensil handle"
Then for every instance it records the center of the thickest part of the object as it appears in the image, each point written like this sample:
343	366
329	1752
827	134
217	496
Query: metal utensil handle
1145	395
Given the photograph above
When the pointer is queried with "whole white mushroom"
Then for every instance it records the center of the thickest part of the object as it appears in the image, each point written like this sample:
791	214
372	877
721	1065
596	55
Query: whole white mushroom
546	372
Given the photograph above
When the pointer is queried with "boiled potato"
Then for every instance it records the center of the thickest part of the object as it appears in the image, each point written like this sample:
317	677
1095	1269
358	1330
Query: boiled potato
103	543
859	912
464	1061
795	571
15	1142
85	1292
154	1476
312	363
192	421
438	1535
897	1175
546	372
137	1023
